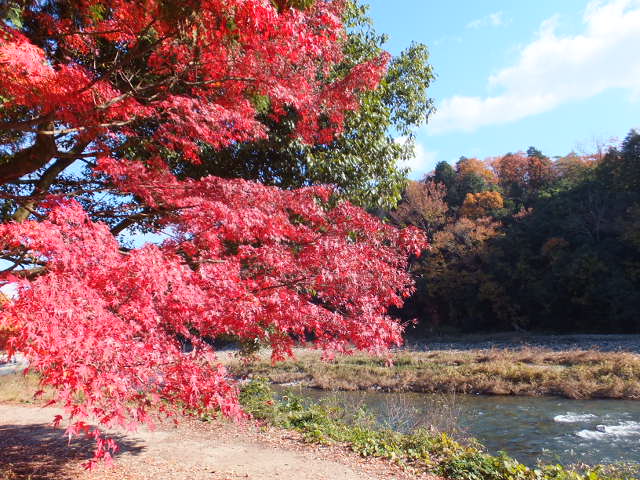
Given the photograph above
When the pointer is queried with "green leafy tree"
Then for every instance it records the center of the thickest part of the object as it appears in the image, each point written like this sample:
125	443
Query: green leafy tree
444	173
621	166
469	176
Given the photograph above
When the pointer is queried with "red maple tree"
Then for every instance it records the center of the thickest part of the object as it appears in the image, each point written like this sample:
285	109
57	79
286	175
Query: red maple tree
131	88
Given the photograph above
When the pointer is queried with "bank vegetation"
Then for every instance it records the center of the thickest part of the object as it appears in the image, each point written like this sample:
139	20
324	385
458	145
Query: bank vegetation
577	374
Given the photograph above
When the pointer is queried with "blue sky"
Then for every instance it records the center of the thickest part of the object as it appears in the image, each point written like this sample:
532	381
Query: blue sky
558	75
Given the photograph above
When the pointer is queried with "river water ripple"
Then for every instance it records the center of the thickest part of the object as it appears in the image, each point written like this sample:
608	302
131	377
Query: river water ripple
530	429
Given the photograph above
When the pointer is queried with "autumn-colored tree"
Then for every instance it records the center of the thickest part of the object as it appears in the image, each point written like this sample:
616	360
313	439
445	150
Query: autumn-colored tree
453	284
423	205
572	167
130	90
473	166
511	168
553	247
481	204
521	175
469	176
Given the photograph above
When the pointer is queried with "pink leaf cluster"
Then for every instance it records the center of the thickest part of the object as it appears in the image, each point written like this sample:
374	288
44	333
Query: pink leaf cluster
105	328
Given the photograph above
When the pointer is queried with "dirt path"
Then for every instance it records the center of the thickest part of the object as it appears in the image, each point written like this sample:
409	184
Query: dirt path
194	450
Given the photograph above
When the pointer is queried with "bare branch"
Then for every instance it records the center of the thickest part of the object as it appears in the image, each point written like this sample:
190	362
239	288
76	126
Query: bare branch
65	131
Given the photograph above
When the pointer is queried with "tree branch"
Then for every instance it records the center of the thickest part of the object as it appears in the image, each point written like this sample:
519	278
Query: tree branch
65	131
30	159
130	221
45	182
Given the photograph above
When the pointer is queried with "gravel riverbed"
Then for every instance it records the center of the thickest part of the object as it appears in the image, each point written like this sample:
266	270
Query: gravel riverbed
603	343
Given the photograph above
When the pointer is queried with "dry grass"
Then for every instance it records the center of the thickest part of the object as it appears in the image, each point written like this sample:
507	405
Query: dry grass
528	371
20	389
8	473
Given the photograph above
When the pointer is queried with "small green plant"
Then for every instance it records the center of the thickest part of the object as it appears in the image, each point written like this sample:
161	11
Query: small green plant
257	398
622	470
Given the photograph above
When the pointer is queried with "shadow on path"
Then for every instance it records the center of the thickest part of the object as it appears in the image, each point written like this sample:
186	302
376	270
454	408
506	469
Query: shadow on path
41	452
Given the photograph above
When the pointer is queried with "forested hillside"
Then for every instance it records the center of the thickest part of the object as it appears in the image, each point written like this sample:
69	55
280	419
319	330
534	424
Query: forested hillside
523	241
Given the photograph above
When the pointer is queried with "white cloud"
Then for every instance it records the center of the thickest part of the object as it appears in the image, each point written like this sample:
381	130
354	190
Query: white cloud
422	162
495	19
556	69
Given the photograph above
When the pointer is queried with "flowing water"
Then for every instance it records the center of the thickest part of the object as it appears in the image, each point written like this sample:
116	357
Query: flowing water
553	430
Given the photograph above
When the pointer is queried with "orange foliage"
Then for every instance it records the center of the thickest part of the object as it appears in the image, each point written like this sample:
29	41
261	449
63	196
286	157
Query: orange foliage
480	204
465	237
524	171
477	167
572	165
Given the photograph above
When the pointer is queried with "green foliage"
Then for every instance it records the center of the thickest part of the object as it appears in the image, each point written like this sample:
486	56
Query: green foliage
12	12
257	398
422	449
475	466
98	12
621	167
445	174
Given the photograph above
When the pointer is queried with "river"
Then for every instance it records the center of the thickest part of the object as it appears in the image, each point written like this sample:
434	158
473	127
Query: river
554	430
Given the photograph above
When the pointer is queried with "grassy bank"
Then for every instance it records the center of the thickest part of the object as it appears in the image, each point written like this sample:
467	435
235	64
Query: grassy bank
423	450
529	371
18	388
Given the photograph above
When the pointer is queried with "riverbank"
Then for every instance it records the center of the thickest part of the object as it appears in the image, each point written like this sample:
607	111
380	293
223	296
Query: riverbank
293	438
531	429
30	449
530	371
420	450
